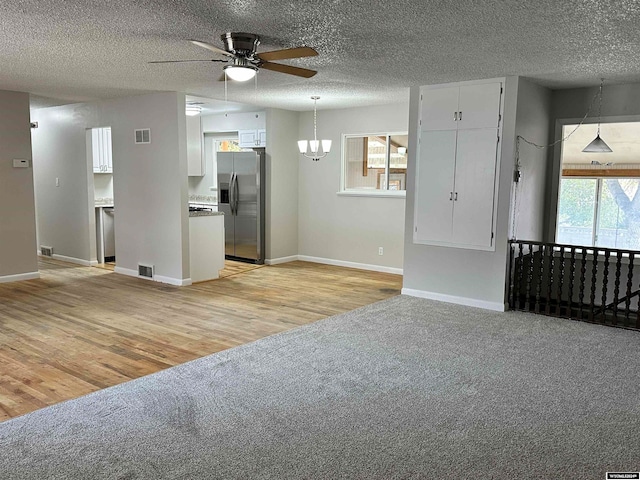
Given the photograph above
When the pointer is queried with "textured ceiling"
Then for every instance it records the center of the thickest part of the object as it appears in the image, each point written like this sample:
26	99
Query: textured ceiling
370	51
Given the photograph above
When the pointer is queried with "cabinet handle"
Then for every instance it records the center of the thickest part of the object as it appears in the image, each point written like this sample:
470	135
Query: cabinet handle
456	197
460	115
455	116
450	196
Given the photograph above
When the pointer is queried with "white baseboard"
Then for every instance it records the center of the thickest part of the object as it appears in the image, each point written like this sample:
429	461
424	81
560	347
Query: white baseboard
158	278
278	261
93	263
470	302
341	263
19	277
76	261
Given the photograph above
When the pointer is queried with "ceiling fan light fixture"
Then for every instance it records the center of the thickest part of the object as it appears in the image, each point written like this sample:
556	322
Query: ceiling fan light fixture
240	73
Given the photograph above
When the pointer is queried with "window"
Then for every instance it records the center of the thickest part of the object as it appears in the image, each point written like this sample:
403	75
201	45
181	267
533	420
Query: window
375	163
599	199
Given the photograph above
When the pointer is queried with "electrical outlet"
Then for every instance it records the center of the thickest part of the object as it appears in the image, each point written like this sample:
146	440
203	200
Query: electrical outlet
380	251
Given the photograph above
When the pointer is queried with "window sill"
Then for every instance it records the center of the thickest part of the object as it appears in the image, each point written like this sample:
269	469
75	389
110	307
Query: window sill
373	193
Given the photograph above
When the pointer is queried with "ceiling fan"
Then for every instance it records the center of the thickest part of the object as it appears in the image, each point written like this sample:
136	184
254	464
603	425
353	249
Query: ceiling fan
240	48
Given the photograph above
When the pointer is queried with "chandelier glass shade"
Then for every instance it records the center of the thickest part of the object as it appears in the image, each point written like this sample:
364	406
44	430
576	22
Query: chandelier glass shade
311	148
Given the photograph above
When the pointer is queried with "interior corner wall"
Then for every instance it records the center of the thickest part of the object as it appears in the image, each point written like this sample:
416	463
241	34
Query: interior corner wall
529	199
620	103
18	259
149	181
472	277
282	165
349	229
62	171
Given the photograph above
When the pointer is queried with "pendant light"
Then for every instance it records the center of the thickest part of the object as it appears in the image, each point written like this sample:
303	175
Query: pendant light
598	145
314	145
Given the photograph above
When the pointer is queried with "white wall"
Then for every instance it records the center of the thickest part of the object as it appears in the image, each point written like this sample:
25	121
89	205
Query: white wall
460	275
529	199
283	160
347	228
18	259
150	182
232	122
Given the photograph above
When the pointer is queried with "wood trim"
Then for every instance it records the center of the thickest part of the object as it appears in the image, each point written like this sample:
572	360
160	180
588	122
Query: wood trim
601	172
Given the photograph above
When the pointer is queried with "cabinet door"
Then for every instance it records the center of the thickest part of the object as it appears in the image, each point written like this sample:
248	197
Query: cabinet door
434	187
195	164
108	151
438	109
95	150
475	175
479	106
262	138
247	138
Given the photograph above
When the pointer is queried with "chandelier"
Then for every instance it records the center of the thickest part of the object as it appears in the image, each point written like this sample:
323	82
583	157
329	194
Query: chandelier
314	145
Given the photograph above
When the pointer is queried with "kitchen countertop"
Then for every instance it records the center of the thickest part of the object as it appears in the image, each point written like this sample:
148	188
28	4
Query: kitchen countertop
204	214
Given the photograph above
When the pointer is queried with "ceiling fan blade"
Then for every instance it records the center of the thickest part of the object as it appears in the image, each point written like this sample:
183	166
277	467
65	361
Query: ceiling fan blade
278	67
297	52
208	46
181	61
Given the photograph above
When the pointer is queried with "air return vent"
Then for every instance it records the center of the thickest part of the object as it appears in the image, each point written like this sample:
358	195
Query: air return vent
145	270
143	135
46	251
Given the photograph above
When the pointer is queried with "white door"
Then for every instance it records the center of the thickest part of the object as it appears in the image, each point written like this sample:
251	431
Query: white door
434	195
439	108
474	187
479	106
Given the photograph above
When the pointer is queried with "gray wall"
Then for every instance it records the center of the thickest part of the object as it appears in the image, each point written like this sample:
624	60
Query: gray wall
532	123
348	228
468	276
17	209
619	103
150	181
282	167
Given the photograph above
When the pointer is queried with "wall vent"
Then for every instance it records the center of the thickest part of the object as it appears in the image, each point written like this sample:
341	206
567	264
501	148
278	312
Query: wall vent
46	251
145	270
143	135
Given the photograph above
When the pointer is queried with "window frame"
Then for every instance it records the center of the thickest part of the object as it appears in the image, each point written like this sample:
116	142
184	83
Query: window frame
370	192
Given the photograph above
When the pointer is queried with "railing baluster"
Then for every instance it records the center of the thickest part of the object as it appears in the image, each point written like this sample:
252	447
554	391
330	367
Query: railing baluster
616	288
627	302
520	276
605	281
572	272
550	269
583	271
540	275
527	300
594	274
560	283
510	294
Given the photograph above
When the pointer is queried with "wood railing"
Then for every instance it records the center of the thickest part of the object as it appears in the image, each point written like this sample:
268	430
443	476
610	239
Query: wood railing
584	283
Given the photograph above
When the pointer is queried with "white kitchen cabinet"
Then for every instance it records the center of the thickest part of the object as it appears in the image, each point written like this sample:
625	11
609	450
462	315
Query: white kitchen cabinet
457	165
101	150
252	138
195	150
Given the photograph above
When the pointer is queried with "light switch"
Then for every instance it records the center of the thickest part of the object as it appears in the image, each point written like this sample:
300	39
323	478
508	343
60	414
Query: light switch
20	163
57	182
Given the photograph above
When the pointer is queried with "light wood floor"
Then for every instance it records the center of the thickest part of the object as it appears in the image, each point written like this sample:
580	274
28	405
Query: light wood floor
80	329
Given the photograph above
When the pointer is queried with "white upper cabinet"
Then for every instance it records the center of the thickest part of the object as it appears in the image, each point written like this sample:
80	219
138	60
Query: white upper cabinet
457	162
252	138
454	108
101	150
195	140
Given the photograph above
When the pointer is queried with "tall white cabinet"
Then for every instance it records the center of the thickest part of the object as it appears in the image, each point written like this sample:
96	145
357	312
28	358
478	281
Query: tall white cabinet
457	164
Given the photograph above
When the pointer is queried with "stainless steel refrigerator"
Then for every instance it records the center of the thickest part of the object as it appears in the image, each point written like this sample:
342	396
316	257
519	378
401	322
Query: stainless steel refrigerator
241	199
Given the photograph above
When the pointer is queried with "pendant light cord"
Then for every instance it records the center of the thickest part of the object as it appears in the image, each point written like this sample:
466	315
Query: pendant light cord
600	106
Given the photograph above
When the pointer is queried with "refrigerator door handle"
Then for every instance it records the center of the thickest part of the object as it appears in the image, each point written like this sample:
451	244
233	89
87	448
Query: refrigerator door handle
232	193
236	193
